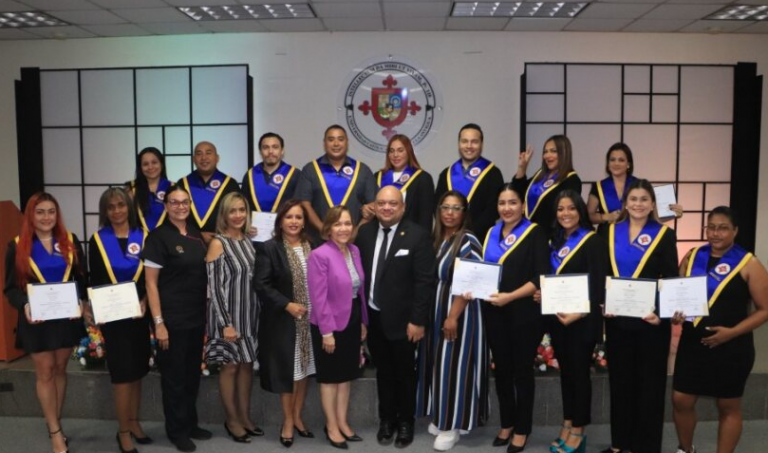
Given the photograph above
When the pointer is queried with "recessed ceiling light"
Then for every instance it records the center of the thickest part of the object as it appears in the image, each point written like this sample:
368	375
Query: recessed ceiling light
517	9
29	19
244	12
740	12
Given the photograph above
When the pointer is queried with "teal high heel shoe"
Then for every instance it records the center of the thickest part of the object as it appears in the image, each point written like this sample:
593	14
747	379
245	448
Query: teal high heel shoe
582	448
560	442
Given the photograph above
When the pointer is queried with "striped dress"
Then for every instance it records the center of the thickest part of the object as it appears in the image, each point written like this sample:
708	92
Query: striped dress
300	371
233	302
453	375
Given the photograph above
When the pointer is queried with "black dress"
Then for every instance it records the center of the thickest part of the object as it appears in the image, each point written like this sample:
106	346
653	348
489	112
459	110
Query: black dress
126	340
49	335
544	215
419	199
722	371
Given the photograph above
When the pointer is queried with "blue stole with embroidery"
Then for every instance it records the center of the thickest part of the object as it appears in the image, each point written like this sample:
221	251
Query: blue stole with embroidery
337	186
122	266
467	181
496	249
204	195
628	258
156	212
560	257
408	175
610	201
266	196
49	267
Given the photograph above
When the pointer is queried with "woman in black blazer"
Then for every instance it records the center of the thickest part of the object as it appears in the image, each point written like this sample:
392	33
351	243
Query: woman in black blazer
285	353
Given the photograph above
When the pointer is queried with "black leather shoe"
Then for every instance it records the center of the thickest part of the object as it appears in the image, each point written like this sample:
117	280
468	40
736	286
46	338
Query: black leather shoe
199	433
353	438
146	440
515	448
386	433
501	441
340	445
184	444
256	431
305	433
244	439
404	434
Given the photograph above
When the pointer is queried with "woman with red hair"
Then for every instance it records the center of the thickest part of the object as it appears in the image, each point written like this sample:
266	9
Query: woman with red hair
45	252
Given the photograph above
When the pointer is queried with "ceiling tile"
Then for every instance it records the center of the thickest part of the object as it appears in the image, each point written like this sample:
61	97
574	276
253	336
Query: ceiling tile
150	15
699	2
681	11
760	27
537	24
199	2
289	25
11	6
15	33
62	32
111	4
615	10
316	2
58	5
358	9
579	24
476	23
117	30
754	2
90	17
417	1
656	26
233	26
425	9
716	26
354	24
173	28
415	23
638	1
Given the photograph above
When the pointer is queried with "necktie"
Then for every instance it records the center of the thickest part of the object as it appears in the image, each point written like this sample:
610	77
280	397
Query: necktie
380	262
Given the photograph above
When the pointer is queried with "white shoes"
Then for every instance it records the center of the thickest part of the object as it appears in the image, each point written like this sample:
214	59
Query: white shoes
680	450
445	440
432	429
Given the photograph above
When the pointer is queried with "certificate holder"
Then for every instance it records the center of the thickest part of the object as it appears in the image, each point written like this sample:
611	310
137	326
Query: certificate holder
477	277
49	301
565	294
665	196
634	298
264	222
114	302
684	294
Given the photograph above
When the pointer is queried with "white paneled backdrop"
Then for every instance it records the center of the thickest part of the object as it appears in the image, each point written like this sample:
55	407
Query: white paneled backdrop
95	121
677	119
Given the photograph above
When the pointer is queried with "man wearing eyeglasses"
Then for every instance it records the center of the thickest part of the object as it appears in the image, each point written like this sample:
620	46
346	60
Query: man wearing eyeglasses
475	177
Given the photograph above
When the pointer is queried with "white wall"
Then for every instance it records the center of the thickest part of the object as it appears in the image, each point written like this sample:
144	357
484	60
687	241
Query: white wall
298	78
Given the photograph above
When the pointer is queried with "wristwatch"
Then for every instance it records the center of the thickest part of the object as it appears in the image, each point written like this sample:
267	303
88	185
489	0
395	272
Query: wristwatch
158	320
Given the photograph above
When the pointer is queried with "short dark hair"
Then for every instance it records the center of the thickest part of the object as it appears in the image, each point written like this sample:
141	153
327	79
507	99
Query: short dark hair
122	194
332	127
726	211
471	126
174	188
627	152
332	216
272	135
282	212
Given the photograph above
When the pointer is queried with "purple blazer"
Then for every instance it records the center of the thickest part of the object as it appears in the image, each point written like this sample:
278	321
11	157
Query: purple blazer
330	287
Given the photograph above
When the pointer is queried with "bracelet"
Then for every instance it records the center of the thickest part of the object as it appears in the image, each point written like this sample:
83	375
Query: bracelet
158	320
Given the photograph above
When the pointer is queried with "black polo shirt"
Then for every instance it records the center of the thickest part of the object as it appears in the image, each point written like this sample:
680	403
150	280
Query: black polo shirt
183	280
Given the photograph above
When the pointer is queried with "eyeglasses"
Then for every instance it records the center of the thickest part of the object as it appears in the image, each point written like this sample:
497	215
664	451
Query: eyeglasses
445	207
179	204
718	228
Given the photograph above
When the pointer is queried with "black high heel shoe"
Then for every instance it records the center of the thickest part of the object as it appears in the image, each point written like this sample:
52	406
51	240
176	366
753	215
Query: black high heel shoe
340	445
256	431
305	433
146	440
512	448
53	433
352	438
285	441
244	439
120	445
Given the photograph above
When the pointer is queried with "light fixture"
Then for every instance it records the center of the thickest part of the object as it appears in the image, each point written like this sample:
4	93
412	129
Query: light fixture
517	9
740	12
29	19
245	12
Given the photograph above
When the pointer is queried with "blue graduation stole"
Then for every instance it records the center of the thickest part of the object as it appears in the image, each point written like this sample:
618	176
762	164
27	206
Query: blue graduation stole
538	189
406	178
204	196
718	278
560	257
496	249
49	267
156	213
267	195
122	266
467	181
337	186
628	258
610	200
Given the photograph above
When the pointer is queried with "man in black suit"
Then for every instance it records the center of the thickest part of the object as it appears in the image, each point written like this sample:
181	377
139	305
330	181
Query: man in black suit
397	256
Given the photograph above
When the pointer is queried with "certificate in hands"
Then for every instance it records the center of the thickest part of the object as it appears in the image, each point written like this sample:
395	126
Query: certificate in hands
48	301
665	196
114	302
687	295
264	222
564	294
635	298
476	277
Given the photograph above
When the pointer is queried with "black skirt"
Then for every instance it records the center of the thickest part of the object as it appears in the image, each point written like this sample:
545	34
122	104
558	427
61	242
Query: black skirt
128	349
48	335
344	364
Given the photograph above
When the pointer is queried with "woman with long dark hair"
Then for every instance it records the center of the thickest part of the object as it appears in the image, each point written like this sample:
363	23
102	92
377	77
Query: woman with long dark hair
149	188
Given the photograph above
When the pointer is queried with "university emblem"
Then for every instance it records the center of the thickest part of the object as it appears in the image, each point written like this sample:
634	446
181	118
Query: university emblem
644	239
215	184
548	183
134	248
723	269
475	172
509	240
277	179
161	195
564	252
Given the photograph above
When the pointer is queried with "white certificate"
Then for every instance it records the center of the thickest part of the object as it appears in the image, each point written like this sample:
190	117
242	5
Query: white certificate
476	277
264	222
564	294
665	196
630	297
114	302
685	294
49	301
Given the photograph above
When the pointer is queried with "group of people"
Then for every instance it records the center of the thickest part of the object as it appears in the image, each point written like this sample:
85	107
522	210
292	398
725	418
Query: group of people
358	257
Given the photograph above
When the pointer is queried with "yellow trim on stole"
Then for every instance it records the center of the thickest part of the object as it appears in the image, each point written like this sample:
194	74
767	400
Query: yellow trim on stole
514	246
722	284
140	215
279	194
641	265
573	252
543	194
36	270
108	265
601	197
405	186
325	187
476	183
201	223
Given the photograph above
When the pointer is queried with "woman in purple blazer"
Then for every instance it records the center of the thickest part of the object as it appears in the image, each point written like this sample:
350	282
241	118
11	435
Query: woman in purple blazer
336	291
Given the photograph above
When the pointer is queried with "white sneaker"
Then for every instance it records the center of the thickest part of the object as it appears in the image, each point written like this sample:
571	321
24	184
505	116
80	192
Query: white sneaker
446	440
680	450
432	429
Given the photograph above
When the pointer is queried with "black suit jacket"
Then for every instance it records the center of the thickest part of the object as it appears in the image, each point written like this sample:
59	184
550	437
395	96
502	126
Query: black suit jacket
406	287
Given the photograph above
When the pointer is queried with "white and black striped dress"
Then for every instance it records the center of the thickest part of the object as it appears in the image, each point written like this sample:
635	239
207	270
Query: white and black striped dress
300	371
233	302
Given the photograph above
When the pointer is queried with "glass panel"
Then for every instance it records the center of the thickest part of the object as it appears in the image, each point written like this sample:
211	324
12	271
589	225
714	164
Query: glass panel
109	155
594	93
654	150
637	79
544	78
544	107
219	95
59	98
637	109
705	153
707	95
107	97
61	156
162	96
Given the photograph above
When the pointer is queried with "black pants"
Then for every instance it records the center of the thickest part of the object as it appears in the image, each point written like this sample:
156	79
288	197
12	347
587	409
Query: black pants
514	346
574	354
637	366
180	380
395	373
